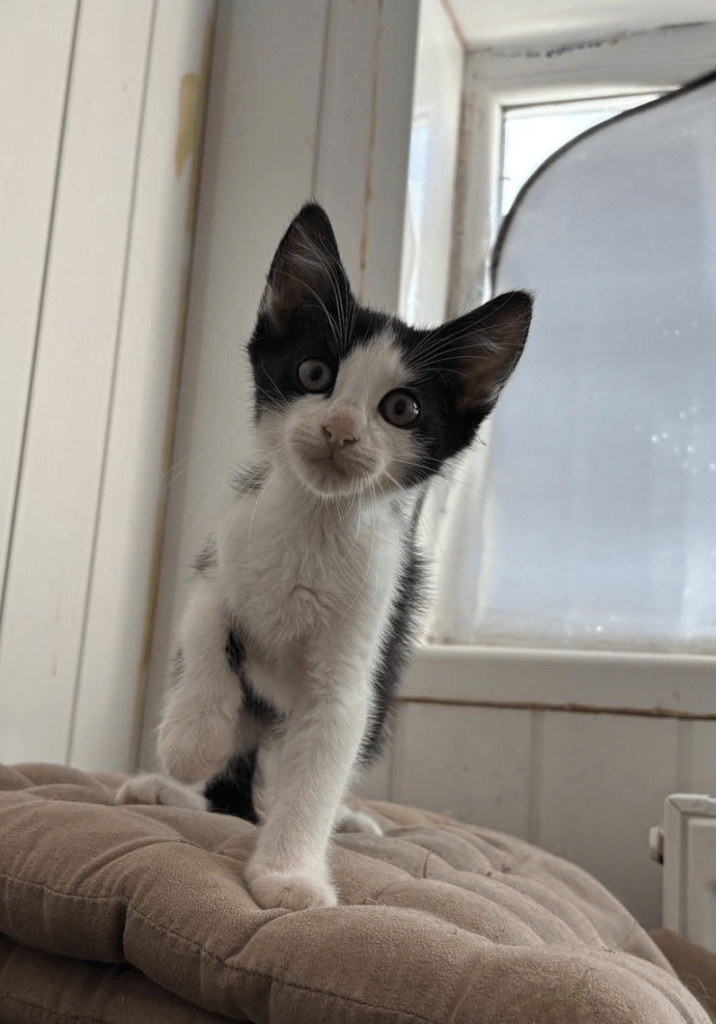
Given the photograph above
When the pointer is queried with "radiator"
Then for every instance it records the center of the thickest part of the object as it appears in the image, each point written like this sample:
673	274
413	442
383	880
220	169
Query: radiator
685	843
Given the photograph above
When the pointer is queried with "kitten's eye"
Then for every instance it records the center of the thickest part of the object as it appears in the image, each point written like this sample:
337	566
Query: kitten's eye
399	408
315	375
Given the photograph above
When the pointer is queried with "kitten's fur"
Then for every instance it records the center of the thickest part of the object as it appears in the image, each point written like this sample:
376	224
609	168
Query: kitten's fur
303	607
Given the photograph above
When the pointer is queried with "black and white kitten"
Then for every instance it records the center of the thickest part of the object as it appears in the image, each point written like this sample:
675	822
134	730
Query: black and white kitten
304	604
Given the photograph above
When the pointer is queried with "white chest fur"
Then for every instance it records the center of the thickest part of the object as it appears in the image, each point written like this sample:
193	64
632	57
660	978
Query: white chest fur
295	567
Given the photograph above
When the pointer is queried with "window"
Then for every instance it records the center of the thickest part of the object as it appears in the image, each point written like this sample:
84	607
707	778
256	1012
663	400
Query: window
506	93
608	539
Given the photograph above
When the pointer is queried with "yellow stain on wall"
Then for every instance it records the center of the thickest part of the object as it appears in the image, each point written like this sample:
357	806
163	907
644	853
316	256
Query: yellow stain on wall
189	114
192	106
192	112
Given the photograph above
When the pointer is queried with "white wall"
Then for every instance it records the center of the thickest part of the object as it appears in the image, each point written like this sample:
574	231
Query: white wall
94	259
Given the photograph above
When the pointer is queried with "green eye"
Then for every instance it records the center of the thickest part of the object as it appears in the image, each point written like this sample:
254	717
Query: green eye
315	375
399	408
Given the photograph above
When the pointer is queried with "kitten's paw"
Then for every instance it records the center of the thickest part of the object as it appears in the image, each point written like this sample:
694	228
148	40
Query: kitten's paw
271	889
192	754
356	821
155	789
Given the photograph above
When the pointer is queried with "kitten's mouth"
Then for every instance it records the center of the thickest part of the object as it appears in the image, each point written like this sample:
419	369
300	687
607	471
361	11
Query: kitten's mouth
332	471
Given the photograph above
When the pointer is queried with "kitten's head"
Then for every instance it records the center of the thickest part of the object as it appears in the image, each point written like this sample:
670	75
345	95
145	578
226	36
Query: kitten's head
355	400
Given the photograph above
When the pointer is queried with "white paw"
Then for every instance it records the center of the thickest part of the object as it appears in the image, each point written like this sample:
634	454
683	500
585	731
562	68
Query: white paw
155	789
273	889
198	752
357	821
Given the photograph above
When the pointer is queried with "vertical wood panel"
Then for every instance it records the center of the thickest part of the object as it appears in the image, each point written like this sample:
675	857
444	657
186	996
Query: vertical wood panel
703	758
344	153
603	783
473	763
151	327
427	239
387	187
35	57
364	139
52	548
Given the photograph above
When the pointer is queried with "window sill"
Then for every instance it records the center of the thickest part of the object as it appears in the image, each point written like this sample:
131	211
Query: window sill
598	682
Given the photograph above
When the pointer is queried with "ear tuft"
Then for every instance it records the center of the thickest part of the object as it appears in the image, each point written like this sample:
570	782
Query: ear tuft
306	270
489	343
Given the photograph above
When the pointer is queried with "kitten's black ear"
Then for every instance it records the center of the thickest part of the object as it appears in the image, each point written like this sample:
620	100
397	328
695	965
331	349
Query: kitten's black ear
486	345
306	271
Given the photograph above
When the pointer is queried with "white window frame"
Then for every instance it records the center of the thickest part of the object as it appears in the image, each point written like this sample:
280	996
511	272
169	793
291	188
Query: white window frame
663	685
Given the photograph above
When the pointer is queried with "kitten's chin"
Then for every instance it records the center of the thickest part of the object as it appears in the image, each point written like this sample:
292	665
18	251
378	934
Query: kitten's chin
327	477
327	480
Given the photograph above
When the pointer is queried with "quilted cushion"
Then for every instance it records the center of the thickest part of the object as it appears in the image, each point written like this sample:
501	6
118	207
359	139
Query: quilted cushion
134	913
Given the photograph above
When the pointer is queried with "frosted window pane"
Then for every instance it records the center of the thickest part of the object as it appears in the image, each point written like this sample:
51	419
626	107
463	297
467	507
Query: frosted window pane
597	514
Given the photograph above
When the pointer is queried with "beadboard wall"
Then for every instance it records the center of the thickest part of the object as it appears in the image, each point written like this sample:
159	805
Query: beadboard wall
574	752
100	107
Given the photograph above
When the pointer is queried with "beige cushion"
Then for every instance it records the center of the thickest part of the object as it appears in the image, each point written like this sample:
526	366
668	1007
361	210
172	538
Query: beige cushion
439	921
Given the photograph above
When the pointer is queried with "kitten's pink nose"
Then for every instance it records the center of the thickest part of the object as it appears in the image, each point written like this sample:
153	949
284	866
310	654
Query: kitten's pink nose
342	427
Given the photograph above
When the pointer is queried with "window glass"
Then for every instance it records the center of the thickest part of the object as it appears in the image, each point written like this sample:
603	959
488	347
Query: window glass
531	134
593	524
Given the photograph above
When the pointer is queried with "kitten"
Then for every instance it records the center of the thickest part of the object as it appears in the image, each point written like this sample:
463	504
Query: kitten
304	605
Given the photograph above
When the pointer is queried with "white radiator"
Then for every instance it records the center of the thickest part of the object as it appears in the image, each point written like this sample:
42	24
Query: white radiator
686	845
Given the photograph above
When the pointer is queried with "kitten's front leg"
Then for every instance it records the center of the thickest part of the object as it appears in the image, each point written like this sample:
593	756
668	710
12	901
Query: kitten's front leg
198	730
289	867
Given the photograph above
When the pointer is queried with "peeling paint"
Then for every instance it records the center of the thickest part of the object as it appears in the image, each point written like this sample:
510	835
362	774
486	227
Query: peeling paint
550	50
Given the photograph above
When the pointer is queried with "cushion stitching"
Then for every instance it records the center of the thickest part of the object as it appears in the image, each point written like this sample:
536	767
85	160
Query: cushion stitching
64	1017
57	892
271	977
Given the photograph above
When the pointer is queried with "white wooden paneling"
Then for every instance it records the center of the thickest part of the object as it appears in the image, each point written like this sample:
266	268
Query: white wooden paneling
150	333
52	544
389	145
472	763
427	237
362	160
702	759
603	781
35	57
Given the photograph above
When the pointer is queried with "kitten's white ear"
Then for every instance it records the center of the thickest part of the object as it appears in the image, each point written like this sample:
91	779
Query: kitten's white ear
306	271
486	346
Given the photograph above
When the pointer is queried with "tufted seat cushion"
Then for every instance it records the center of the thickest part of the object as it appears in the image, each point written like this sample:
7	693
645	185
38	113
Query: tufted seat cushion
139	913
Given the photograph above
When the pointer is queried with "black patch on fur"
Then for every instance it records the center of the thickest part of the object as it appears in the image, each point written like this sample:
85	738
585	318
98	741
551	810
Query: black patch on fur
250	480
396	647
253	704
231	791
205	562
177	666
